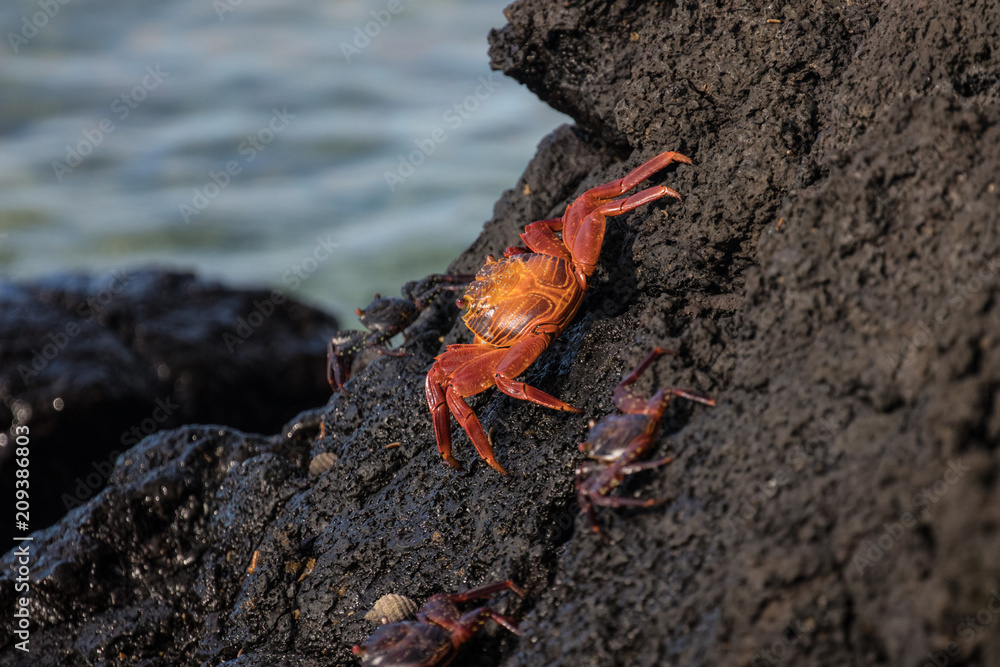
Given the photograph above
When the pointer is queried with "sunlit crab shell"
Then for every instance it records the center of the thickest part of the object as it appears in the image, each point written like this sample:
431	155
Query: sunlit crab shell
392	608
321	462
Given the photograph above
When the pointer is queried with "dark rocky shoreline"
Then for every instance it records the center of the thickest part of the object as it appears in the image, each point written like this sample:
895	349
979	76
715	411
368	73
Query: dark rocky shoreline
832	278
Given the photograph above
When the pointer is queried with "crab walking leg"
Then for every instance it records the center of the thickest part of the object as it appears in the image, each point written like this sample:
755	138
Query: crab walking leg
488	590
471	622
636	176
628	402
587	508
585	239
655	354
453	358
468	420
423	295
437	402
517	360
662	397
579	212
382	349
440	609
469	368
631	468
618	501
338	367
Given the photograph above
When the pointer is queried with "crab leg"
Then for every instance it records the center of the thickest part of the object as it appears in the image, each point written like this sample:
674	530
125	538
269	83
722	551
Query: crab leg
442	424
517	360
655	354
662	397
628	402
584	220
644	465
470	623
586	239
463	370
637	175
468	420
618	501
485	591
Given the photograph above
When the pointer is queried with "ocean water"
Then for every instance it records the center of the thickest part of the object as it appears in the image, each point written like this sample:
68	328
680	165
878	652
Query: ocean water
329	149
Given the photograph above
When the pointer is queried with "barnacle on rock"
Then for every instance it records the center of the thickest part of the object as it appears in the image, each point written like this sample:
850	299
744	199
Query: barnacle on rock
321	462
392	608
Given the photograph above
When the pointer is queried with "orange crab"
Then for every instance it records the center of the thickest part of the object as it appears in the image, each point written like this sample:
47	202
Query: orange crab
519	304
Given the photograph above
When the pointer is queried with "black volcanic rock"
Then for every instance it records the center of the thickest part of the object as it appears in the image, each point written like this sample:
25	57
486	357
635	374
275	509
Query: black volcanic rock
94	363
832	278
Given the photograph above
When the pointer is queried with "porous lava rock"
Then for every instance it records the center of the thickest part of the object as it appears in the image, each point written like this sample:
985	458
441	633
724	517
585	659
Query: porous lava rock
832	278
91	364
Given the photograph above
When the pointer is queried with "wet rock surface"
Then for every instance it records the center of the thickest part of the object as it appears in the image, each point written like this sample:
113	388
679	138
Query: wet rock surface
94	363
832	278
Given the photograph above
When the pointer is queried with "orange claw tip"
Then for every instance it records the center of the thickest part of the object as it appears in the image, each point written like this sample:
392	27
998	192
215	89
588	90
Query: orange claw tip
357	650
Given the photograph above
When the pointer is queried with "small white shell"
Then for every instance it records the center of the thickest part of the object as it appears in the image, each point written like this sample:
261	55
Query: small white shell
321	462
392	608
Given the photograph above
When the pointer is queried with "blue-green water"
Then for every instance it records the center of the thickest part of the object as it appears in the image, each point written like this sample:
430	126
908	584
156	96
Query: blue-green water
251	140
